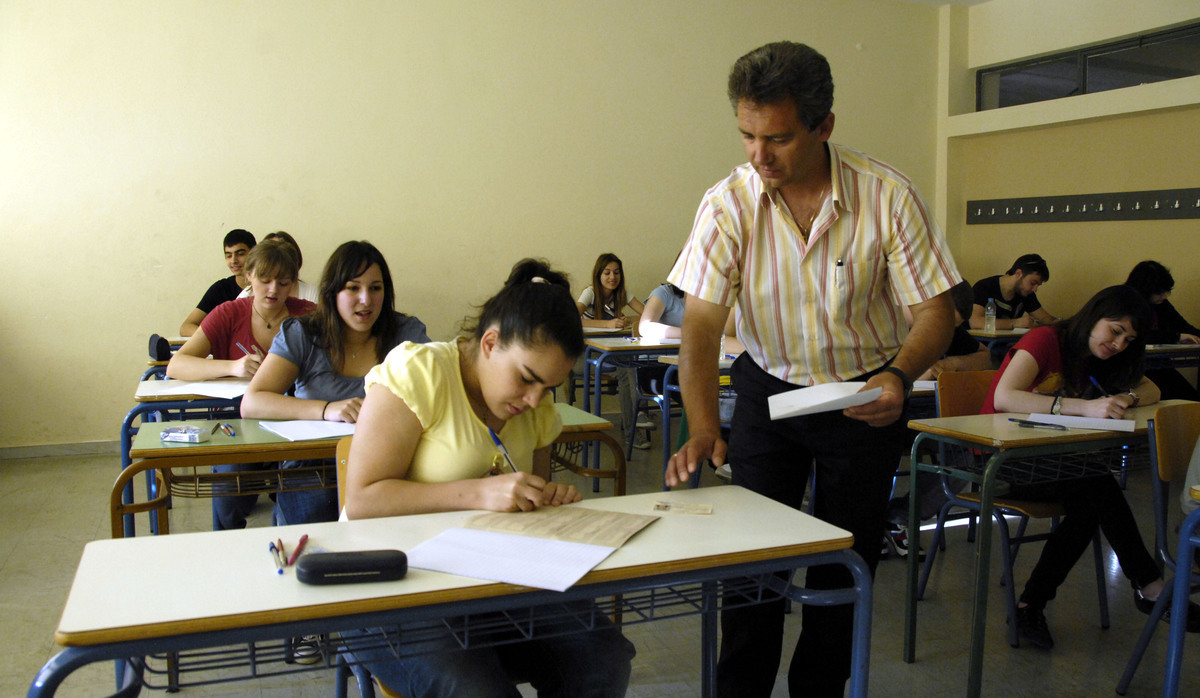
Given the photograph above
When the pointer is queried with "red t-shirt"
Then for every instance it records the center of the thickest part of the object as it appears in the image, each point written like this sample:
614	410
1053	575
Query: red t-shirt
1042	345
229	323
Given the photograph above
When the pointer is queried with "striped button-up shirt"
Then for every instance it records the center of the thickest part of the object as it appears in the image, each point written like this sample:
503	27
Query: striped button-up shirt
825	311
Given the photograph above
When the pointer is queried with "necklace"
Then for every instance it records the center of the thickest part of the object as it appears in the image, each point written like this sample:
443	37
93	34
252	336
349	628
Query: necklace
274	319
813	217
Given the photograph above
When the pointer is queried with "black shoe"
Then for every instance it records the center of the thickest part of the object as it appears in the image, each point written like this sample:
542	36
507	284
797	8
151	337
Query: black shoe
1031	625
1146	605
897	537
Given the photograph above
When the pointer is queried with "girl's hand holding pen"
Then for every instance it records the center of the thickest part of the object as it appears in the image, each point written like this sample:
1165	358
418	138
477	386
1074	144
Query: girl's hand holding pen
247	366
554	494
511	492
1109	407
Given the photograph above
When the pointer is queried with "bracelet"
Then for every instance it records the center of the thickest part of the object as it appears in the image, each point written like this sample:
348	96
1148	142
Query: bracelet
324	408
905	381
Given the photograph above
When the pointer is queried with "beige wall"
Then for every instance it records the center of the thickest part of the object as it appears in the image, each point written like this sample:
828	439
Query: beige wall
1132	153
1012	30
457	136
1134	139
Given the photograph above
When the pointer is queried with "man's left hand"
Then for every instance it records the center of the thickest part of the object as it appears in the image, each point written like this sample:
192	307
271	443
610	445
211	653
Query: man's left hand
886	408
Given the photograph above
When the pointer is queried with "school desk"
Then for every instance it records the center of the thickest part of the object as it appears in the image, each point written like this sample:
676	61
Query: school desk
183	469
154	595
1014	454
1159	356
579	428
999	341
152	406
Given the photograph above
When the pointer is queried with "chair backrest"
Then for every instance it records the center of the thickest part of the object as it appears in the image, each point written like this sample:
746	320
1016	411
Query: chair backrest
962	392
343	453
1173	434
1176	428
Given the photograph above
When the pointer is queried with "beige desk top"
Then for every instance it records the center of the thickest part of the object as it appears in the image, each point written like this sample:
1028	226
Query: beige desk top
630	344
994	430
1016	332
155	586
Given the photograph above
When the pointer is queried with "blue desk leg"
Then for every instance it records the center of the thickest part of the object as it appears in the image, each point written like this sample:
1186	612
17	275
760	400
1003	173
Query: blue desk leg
1188	541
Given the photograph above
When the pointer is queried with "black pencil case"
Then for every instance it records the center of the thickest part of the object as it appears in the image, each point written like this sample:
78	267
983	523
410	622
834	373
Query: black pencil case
352	567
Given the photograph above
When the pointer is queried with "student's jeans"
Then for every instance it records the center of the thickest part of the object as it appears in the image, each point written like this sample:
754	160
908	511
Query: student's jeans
1090	503
581	665
855	463
306	506
230	512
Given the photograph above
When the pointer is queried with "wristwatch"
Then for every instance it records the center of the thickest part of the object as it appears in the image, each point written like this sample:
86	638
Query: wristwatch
1135	397
1056	408
904	379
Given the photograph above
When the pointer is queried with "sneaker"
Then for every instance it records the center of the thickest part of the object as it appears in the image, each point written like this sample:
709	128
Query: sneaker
643	421
886	552
640	441
1146	605
307	649
897	537
1031	625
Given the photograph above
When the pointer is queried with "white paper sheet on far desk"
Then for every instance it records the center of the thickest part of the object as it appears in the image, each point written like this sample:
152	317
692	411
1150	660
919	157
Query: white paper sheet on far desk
308	429
504	557
227	388
1084	422
820	398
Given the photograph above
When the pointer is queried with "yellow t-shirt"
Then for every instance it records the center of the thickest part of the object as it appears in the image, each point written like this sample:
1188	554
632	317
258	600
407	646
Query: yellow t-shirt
455	444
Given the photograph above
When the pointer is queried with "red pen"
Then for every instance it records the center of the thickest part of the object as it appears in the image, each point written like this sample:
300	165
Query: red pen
299	547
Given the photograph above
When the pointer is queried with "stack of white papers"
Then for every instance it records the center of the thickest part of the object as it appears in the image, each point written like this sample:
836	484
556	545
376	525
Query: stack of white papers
820	398
308	429
226	388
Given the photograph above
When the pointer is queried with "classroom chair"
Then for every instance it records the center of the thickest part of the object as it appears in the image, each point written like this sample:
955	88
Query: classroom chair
367	684
1173	434
962	393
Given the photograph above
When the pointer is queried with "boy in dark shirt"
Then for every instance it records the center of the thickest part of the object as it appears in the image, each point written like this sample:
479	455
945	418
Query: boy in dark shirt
237	245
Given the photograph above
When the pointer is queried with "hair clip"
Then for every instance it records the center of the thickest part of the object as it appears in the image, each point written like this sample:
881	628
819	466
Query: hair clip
538	280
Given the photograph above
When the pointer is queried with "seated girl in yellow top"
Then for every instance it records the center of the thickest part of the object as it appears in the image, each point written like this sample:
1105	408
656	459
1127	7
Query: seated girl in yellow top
424	444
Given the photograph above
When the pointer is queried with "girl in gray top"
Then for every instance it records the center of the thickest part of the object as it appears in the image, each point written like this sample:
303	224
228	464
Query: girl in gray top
325	355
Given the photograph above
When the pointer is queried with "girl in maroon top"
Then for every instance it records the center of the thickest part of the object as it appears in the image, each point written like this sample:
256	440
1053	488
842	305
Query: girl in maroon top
1089	365
251	322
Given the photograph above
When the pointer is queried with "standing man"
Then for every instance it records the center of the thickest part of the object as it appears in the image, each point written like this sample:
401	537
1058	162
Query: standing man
238	244
1015	293
815	243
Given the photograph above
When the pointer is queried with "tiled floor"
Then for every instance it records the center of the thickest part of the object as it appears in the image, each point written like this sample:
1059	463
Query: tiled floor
50	507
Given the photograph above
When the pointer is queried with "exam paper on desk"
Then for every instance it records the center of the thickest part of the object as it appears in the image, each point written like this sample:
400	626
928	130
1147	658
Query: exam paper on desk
1084	422
504	557
548	548
308	429
567	523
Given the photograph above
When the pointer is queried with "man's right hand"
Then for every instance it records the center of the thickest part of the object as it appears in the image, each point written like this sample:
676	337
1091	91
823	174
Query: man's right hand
699	448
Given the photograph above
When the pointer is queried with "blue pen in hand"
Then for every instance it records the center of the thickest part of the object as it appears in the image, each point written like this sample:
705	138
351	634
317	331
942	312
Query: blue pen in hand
503	451
1103	392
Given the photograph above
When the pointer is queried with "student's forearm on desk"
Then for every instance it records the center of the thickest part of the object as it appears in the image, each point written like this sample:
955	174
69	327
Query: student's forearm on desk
263	404
193	368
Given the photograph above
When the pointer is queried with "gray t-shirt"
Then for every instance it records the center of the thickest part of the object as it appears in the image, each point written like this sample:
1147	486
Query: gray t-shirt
317	379
672	306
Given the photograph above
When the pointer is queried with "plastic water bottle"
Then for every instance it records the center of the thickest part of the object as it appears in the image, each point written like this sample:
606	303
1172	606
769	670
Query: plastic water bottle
989	317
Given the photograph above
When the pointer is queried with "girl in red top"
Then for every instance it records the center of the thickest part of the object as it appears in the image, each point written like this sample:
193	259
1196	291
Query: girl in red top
1089	365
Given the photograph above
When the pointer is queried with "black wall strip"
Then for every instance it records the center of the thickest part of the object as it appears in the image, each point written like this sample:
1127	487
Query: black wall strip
1165	204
